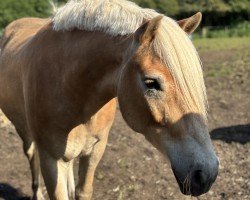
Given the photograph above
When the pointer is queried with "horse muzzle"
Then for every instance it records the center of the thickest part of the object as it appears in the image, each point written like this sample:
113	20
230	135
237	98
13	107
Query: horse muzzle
197	181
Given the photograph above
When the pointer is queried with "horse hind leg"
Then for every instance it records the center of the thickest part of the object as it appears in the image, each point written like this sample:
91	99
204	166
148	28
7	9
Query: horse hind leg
37	182
71	181
31	153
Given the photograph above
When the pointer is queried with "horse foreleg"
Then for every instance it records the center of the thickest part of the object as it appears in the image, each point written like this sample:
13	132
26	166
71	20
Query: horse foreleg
55	175
87	167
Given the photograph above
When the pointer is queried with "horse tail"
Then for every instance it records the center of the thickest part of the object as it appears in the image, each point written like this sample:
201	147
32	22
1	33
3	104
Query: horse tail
7	35
1	44
3	41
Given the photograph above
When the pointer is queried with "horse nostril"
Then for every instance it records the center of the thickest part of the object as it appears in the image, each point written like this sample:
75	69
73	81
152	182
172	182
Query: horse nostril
199	178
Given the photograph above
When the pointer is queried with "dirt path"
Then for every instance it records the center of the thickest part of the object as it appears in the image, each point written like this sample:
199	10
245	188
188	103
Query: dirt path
132	169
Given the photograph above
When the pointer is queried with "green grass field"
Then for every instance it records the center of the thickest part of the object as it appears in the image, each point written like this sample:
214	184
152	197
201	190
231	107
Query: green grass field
225	57
219	44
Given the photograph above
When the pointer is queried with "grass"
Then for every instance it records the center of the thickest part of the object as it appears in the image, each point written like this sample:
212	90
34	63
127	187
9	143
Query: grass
241	29
225	57
220	44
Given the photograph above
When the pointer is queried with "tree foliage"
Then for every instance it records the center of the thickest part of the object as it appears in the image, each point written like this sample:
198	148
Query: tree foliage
13	9
215	12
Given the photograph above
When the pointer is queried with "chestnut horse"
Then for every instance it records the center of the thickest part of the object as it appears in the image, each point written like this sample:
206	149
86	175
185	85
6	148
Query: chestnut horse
59	79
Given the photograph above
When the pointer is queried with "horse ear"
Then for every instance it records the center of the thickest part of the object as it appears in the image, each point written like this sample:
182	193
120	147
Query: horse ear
190	24
146	33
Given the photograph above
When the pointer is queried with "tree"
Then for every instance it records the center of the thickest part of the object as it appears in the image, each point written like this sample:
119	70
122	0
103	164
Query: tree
12	9
215	12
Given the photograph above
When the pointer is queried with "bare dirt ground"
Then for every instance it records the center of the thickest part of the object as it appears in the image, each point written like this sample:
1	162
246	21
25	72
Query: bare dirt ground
132	169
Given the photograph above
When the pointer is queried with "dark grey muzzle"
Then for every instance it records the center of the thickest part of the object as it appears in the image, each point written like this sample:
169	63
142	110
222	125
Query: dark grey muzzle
198	180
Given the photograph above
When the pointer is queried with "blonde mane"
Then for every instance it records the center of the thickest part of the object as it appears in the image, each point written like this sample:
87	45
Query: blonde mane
121	17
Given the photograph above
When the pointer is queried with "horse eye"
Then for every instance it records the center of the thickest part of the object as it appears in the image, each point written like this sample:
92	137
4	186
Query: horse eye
152	84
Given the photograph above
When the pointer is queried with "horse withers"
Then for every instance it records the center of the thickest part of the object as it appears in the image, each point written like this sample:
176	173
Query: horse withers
59	78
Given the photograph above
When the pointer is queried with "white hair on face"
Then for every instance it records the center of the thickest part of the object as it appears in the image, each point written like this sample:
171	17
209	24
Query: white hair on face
121	17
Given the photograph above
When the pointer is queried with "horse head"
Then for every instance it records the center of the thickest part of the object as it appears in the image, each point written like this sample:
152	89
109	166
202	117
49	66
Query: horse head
162	95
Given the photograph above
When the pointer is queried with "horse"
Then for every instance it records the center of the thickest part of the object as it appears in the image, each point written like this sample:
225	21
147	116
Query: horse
60	79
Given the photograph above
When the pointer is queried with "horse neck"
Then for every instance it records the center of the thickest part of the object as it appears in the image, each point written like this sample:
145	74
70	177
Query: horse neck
106	57
96	60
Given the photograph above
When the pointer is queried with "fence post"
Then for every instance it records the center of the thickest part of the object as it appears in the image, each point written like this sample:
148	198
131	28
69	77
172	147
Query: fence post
204	32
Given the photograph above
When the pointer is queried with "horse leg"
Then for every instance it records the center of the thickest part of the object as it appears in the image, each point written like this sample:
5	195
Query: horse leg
37	185
55	175
87	167
31	153
71	181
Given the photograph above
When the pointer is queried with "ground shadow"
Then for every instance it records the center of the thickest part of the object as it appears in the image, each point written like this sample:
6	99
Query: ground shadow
7	192
239	133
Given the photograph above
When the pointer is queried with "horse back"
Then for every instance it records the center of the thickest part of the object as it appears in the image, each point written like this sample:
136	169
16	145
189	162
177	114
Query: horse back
18	31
